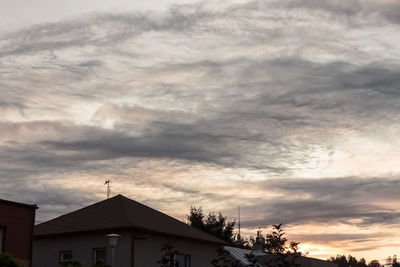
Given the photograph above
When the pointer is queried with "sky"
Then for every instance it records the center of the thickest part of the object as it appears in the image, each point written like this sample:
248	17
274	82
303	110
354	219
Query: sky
287	108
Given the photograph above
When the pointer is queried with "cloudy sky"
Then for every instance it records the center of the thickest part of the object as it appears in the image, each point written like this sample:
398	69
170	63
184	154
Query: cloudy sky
287	108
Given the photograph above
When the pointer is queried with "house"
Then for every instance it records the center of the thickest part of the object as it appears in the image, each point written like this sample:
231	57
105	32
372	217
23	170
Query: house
240	258
240	255
84	235
16	230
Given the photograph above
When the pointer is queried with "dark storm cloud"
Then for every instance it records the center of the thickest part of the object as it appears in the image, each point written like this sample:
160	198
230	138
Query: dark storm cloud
353	201
280	88
54	195
188	142
337	10
297	212
339	188
52	200
388	9
108	29
97	30
173	145
5	105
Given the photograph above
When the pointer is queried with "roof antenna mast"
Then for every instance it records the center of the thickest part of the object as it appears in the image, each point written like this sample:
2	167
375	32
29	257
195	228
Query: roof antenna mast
239	237
108	188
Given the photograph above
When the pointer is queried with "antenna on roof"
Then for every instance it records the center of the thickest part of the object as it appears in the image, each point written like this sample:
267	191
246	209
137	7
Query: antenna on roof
239	237
108	188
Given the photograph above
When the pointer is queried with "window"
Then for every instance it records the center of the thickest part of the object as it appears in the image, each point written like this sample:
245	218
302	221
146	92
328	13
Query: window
99	254
65	255
1	238
182	260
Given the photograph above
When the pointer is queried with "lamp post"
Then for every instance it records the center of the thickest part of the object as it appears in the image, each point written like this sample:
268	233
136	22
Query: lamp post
113	241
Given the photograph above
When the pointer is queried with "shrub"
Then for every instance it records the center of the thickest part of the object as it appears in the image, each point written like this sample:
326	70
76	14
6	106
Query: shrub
70	263
6	260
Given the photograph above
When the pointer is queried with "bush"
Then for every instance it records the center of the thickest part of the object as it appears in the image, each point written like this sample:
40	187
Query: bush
6	260
70	263
100	263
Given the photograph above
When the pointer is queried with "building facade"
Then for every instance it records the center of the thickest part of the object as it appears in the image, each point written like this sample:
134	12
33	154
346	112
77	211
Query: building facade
133	249
82	235
16	230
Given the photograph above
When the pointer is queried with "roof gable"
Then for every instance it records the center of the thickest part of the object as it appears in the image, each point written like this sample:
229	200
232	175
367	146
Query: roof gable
121	212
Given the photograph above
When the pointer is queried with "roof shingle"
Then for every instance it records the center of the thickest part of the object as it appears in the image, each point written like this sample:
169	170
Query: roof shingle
121	212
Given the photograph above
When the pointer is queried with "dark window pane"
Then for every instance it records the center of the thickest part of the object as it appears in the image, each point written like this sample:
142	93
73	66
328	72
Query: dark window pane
65	255
182	260
99	254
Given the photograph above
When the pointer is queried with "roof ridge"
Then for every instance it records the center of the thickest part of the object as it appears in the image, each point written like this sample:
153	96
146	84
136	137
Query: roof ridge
166	215
159	212
122	201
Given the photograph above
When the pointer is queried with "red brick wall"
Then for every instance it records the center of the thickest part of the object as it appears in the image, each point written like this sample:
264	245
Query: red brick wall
18	221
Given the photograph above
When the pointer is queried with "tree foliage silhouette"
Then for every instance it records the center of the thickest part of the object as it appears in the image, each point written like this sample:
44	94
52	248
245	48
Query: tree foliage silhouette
374	263
216	225
168	258
275	243
393	260
343	261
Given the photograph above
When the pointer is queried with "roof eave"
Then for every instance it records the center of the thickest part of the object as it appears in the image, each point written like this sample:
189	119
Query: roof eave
134	229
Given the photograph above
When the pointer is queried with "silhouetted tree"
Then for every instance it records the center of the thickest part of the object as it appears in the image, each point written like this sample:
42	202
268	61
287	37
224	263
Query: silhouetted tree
275	243
343	261
374	263
340	260
217	226
168	258
243	243
393	260
362	262
196	218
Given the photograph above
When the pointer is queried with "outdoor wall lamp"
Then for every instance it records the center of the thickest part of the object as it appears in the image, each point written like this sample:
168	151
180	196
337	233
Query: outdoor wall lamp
113	242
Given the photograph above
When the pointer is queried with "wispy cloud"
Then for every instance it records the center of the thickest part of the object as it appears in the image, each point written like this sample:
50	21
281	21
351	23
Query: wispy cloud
292	107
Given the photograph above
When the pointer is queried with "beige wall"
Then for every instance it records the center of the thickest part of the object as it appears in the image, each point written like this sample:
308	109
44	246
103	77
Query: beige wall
147	251
46	252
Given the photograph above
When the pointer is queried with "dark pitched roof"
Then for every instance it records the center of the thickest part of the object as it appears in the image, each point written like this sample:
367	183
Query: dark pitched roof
121	212
18	204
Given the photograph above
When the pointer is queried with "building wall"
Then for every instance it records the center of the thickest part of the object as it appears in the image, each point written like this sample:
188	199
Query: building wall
46	251
146	250
17	221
